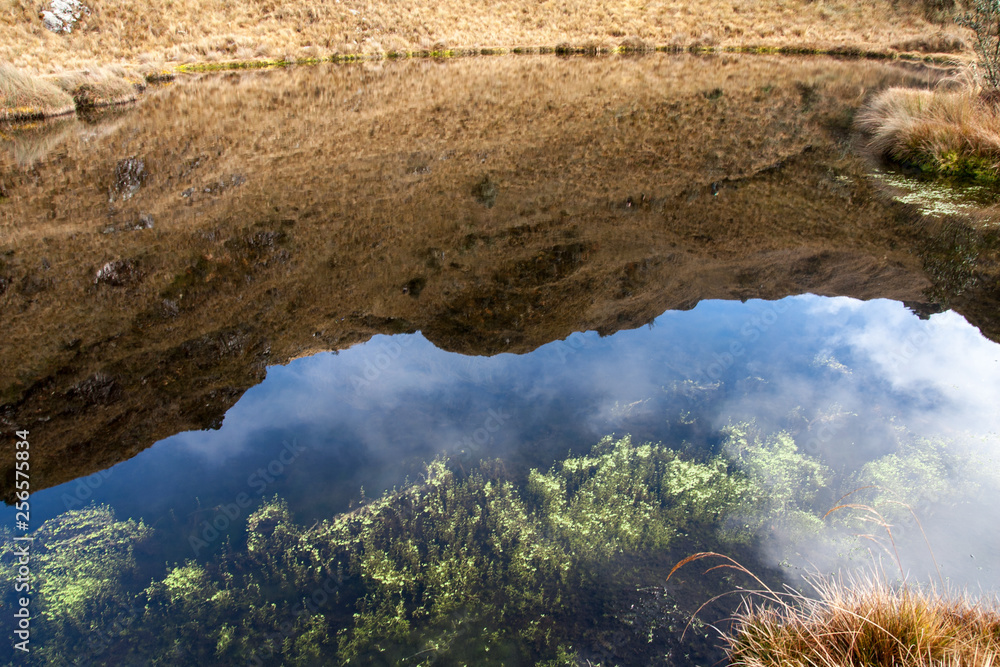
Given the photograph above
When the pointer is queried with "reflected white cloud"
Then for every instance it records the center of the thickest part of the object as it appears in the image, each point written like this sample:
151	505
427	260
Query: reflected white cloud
372	413
943	358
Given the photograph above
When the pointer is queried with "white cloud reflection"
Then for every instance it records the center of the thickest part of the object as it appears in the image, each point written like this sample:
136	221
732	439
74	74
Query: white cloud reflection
371	413
943	358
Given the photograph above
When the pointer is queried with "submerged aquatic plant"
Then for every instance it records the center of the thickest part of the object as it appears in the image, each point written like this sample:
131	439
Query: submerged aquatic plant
83	578
464	567
933	197
624	497
457	568
451	566
785	481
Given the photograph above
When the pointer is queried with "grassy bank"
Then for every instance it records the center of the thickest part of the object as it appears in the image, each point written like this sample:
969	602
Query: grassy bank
25	96
162	35
868	622
101	87
154	31
951	132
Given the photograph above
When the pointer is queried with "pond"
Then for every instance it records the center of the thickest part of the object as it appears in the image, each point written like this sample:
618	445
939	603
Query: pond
451	362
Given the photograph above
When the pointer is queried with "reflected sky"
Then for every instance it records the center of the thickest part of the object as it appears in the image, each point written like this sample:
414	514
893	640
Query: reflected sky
845	377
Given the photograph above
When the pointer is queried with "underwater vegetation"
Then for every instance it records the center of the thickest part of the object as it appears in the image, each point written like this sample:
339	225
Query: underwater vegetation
479	567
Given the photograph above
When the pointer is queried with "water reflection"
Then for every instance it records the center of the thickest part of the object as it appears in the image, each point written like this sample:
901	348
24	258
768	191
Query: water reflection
849	380
272	214
945	367
343	308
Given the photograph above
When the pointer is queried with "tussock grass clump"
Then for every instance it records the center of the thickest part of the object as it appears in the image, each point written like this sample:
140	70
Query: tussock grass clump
950	132
100	87
635	44
867	622
24	96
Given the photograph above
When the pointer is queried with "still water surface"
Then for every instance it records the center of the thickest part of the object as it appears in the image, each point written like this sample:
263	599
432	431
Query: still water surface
300	393
844	377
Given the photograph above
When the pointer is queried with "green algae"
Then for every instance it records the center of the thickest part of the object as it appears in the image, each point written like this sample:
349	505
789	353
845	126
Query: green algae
83	569
920	474
625	498
468	568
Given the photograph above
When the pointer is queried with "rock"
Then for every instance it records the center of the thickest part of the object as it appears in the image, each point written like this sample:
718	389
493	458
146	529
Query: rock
130	174
234	181
144	221
118	273
62	15
98	389
485	192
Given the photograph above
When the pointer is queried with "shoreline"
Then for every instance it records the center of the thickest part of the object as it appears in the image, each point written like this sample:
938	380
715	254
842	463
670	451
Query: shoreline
166	73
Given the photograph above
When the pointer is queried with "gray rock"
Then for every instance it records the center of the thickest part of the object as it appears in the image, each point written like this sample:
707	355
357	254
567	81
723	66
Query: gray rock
62	15
130	174
118	273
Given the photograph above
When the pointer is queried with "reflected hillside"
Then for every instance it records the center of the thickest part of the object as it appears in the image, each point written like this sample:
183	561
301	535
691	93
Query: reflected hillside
154	265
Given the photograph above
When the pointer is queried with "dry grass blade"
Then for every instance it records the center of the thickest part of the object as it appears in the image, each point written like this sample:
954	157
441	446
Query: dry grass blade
868	622
731	564
765	591
879	519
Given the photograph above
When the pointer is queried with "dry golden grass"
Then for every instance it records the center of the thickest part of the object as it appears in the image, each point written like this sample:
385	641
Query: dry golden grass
868	622
100	87
25	96
862	621
185	31
147	33
954	132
